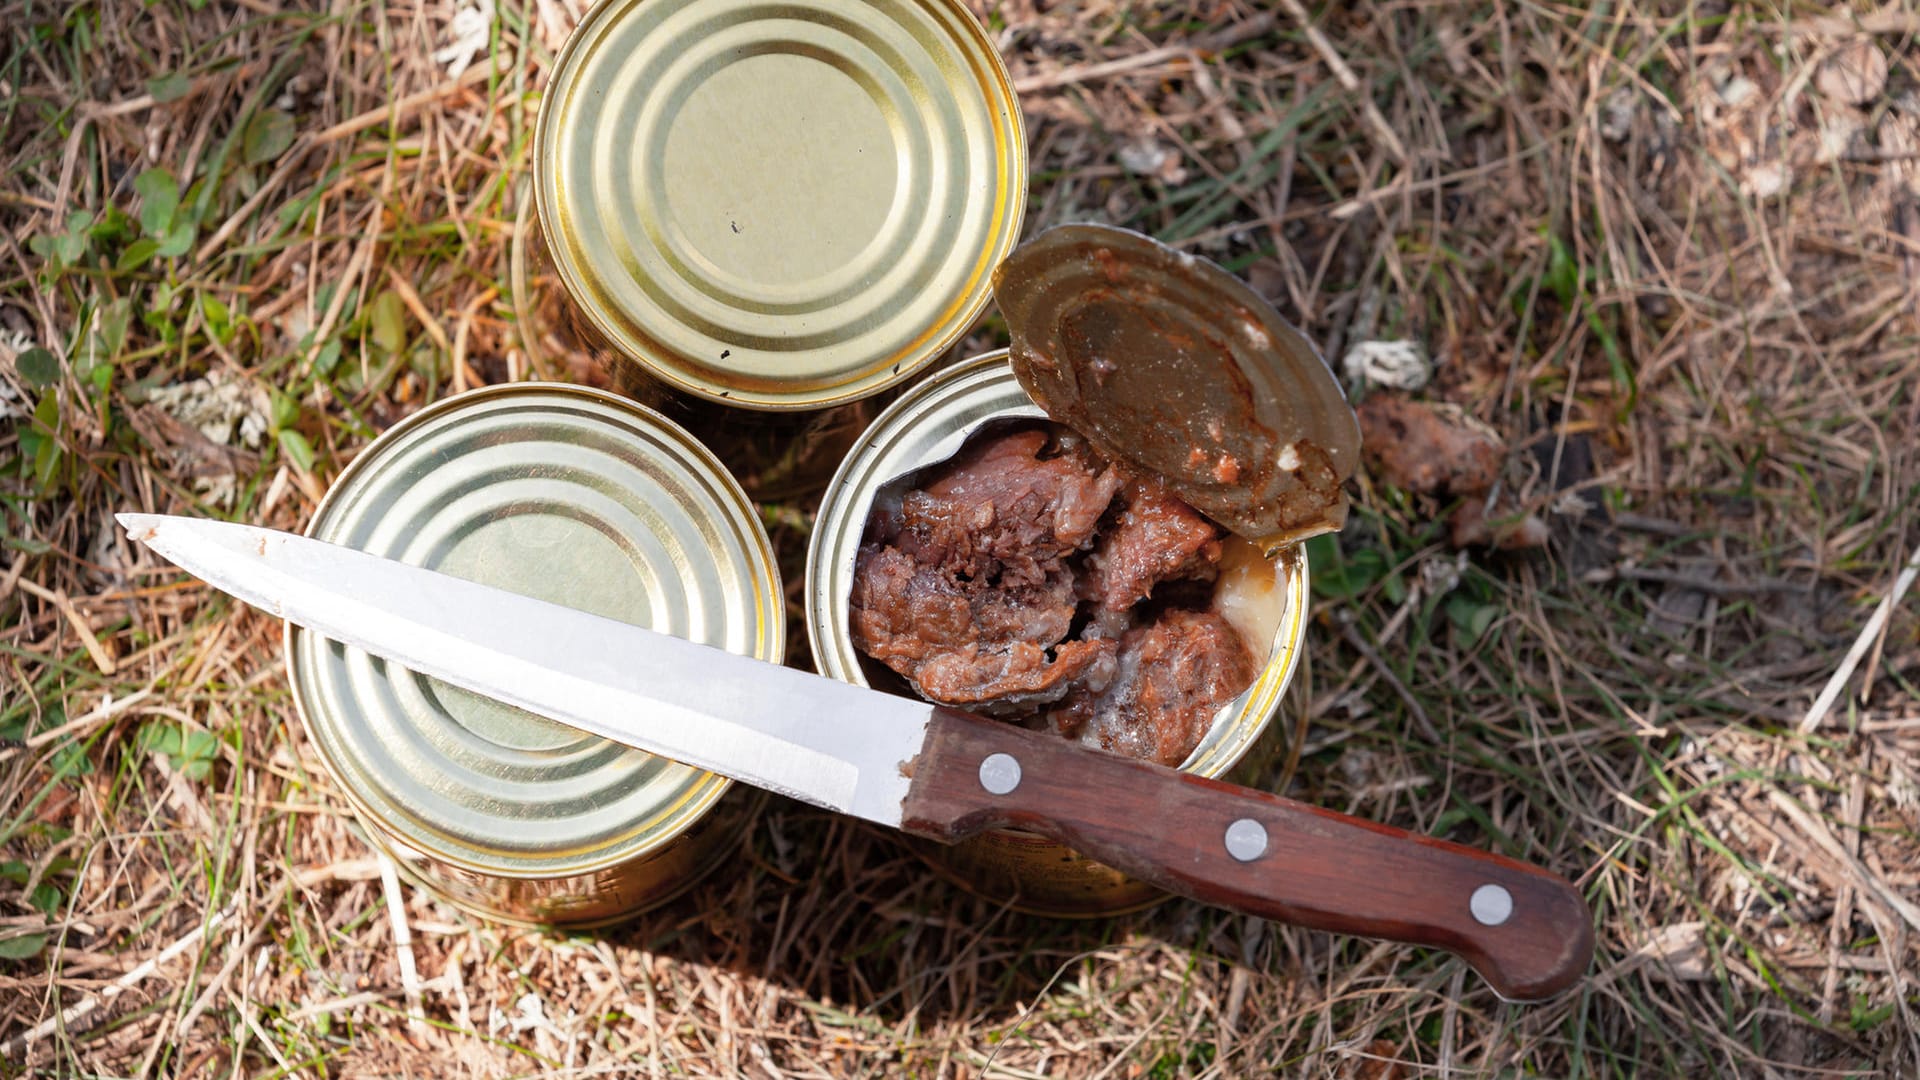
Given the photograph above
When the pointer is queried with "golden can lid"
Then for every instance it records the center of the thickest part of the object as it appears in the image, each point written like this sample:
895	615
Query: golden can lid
779	206
566	494
1166	361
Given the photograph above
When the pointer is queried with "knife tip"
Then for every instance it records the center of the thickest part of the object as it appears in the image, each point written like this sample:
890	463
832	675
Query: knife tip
141	527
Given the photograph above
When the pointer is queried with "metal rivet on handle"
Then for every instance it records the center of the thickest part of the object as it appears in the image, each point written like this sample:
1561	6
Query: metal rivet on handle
1000	773
1246	839
1491	905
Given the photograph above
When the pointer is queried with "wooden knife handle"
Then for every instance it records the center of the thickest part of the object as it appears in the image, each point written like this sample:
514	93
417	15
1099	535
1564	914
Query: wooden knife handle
1527	932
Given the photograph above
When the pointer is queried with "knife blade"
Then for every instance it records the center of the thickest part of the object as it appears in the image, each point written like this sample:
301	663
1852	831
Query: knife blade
930	771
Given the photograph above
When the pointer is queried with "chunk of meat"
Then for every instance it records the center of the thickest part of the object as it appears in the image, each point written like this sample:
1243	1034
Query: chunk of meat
967	593
1001	510
1172	676
1413	446
1156	538
1013	679
1438	450
997	650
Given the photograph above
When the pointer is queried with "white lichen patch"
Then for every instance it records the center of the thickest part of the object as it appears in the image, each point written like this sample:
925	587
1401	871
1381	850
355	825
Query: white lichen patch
1764	179
13	344
1143	157
228	410
468	33
1397	364
223	407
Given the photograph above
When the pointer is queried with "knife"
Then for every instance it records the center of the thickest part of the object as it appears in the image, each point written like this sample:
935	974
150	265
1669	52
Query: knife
930	771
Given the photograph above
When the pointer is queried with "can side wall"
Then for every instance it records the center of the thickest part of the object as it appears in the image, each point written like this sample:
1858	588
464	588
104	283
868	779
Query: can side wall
604	897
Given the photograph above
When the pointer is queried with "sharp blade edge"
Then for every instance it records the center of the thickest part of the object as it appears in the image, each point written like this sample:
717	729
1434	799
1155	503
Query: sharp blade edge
815	739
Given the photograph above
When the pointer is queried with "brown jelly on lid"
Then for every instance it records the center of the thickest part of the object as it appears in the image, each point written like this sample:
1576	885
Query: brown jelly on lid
1166	361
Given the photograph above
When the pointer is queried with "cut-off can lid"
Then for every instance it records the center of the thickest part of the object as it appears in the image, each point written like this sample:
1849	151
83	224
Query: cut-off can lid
572	496
779	206
1166	361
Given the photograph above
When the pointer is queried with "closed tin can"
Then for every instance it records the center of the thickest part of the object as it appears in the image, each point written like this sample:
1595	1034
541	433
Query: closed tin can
779	208
927	425
580	498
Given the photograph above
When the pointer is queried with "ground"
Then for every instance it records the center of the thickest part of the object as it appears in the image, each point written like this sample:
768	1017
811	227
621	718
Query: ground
1666	253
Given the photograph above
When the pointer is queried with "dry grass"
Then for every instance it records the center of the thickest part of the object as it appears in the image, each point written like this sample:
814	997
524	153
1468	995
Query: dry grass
1654	245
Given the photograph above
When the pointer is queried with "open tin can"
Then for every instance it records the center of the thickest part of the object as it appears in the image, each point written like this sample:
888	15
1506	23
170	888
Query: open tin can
786	209
579	498
1168	364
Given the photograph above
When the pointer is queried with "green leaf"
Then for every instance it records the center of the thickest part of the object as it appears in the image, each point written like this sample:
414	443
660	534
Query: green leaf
268	135
1563	276
47	414
46	464
112	323
47	898
170	87
159	738
283	410
1623	376
198	751
1339	576
70	760
219	318
137	254
47	455
159	198
177	241
114	225
72	247
24	947
39	367
193	205
388	318
1865	1017
328	358
1470	619
298	450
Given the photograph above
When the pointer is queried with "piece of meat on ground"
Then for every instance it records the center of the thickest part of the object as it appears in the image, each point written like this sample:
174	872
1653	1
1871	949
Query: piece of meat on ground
1156	538
1413	446
1172	676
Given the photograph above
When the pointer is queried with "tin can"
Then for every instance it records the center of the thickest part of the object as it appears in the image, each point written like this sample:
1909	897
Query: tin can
784	209
581	498
927	425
